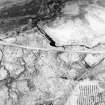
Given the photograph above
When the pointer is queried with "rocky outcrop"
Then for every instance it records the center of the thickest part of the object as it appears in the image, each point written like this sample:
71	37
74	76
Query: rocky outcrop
56	58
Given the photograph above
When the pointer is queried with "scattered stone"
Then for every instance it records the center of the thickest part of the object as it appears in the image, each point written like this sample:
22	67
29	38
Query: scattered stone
52	64
11	53
69	57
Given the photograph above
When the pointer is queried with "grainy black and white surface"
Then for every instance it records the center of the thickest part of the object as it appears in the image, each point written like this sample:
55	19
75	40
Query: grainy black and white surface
52	52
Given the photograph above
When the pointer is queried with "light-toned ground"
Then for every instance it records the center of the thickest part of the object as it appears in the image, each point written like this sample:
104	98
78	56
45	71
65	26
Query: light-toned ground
32	72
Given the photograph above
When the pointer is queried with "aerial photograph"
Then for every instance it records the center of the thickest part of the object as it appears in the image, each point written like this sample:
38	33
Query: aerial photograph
52	52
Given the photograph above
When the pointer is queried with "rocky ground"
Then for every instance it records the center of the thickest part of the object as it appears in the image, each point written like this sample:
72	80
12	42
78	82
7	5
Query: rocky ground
56	62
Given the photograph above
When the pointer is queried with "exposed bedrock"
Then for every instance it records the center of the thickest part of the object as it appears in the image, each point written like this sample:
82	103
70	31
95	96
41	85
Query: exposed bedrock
57	60
38	77
83	26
